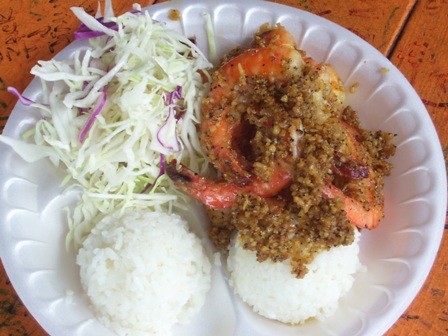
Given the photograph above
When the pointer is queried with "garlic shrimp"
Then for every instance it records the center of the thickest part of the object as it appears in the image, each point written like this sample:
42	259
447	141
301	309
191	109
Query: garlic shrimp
295	171
222	110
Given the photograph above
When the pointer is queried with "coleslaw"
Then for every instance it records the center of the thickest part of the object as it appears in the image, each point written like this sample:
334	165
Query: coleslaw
114	111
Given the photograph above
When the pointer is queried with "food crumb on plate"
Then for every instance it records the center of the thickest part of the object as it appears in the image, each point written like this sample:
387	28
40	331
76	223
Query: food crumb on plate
353	87
174	14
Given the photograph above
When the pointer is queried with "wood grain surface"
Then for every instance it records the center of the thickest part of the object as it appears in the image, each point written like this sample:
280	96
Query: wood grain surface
413	34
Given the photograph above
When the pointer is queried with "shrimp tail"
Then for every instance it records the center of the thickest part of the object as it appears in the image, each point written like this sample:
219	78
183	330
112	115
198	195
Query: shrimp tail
364	217
216	195
222	194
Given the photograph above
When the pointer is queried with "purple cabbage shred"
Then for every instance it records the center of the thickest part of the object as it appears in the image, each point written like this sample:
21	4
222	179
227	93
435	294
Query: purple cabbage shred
97	110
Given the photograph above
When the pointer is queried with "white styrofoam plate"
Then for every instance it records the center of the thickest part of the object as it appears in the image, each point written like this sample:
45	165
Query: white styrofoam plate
398	255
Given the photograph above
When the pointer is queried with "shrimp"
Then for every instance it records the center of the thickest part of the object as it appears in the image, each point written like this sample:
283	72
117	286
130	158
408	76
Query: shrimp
222	194
362	199
348	161
332	90
364	216
222	110
275	59
362	196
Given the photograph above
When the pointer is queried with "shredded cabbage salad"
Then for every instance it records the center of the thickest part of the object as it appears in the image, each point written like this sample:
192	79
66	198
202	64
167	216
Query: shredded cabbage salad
113	113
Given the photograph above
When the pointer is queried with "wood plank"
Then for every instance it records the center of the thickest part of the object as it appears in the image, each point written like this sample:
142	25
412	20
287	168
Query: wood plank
377	22
14	316
421	55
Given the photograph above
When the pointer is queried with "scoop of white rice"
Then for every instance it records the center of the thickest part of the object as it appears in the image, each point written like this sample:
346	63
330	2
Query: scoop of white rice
143	272
272	291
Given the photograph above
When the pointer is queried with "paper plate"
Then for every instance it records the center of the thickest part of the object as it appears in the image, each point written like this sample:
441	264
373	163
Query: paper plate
398	255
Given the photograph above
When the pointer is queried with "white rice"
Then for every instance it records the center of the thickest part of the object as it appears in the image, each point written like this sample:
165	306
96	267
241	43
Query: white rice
144	272
272	291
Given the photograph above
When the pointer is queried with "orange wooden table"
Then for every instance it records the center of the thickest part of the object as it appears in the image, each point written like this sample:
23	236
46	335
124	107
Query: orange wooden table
413	34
